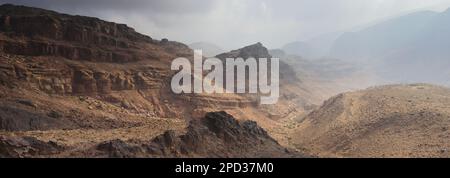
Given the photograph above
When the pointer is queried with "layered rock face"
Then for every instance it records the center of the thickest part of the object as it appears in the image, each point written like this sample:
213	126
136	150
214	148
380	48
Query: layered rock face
48	58
80	79
66	55
35	32
83	55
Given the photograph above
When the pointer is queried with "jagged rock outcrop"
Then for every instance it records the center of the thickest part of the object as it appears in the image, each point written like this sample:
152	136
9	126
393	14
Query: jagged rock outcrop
256	51
19	119
292	94
20	147
218	134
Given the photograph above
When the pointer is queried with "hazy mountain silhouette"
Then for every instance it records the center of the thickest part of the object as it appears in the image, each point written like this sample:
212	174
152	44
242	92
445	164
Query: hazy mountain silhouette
313	48
410	48
208	49
299	48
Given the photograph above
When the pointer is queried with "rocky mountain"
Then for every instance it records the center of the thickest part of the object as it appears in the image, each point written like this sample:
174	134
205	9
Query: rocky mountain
255	50
293	96
387	121
72	82
410	48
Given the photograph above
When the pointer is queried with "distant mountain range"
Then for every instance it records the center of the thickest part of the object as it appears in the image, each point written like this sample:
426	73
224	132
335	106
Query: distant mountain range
410	48
313	48
208	49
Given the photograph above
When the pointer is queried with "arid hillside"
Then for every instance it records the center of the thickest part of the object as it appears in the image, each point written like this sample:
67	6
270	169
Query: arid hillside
387	121
216	135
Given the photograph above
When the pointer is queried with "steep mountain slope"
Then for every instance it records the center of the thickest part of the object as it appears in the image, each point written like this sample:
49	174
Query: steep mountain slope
294	97
294	100
388	121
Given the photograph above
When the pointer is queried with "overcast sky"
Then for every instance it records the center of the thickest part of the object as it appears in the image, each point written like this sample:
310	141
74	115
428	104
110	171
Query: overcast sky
236	23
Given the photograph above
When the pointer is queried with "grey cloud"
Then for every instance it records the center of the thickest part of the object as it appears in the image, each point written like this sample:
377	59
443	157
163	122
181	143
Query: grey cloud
141	6
235	23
